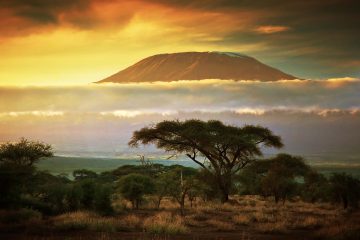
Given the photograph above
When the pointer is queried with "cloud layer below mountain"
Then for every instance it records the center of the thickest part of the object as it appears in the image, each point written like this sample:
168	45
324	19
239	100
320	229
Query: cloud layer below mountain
312	116
206	95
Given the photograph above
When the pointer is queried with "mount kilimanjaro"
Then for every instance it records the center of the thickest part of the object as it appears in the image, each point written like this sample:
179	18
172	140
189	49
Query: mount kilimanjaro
197	66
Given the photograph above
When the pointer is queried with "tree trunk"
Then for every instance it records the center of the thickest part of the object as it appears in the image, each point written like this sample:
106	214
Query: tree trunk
224	184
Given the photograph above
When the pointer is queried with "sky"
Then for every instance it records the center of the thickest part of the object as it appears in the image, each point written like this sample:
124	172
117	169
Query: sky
75	42
52	52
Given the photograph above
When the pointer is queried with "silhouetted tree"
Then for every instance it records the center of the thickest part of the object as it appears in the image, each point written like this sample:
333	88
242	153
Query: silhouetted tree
225	149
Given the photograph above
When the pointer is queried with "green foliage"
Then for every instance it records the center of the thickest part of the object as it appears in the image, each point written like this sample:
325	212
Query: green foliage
316	187
88	189
24	152
102	199
207	186
74	197
13	179
345	189
134	186
275	177
16	169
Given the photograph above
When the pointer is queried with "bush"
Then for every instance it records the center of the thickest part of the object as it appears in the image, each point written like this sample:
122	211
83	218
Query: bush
133	187
102	199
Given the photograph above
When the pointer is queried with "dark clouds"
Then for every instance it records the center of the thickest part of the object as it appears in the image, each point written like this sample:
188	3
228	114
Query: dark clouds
320	38
43	11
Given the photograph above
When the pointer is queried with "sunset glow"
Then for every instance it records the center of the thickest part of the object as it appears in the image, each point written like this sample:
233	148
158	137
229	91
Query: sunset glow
82	41
52	52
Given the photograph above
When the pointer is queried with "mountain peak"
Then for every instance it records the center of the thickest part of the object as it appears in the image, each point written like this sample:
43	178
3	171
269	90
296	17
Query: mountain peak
197	66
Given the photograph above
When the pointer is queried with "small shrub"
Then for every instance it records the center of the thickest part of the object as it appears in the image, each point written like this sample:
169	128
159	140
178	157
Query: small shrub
165	223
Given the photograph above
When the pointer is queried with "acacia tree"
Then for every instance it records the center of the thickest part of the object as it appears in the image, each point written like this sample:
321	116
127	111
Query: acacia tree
220	149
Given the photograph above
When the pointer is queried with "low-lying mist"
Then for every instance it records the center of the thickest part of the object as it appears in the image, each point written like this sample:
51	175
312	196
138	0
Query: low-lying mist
312	116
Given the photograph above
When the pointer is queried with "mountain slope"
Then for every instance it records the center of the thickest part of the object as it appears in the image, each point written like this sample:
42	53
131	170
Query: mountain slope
197	66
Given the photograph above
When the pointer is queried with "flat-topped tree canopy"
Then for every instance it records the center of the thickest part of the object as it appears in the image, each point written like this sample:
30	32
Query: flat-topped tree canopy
220	149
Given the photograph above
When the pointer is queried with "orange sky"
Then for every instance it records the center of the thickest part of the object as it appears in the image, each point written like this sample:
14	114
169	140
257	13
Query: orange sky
72	42
66	53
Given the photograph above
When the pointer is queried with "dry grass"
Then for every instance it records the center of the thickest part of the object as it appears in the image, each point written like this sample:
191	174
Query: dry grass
243	219
165	223
131	222
262	217
221	225
255	213
272	227
89	221
308	222
348	230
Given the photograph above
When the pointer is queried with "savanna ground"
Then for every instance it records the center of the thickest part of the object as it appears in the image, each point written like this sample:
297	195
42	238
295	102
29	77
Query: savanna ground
244	217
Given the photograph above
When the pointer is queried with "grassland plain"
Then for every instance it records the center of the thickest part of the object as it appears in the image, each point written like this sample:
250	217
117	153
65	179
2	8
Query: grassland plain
245	217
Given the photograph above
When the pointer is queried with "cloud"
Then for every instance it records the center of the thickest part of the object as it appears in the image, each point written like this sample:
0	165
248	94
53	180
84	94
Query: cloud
323	40
205	95
319	117
321	133
271	29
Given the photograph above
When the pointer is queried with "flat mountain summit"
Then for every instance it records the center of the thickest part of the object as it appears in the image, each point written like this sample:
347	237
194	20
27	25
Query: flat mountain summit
197	66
